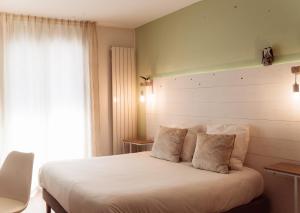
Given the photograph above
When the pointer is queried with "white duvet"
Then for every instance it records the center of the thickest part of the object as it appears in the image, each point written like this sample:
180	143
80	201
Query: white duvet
138	183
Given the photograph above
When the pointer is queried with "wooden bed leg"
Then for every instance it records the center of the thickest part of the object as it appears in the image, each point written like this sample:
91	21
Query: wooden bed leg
48	208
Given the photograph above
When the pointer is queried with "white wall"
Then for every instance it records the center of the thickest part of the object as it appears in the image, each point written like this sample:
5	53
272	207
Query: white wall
108	37
261	97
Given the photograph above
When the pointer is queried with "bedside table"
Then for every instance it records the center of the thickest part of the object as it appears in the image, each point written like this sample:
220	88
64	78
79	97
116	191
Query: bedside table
136	142
287	169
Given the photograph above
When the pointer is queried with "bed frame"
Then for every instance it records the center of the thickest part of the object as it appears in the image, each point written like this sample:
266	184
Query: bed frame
258	205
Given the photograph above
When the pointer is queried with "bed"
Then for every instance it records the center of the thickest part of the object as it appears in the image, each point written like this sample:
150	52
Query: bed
139	183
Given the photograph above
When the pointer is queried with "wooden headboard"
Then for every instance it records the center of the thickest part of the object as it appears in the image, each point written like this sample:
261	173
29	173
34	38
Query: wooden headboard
261	97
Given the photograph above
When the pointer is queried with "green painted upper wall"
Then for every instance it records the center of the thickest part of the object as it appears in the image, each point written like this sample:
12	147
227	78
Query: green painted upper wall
217	35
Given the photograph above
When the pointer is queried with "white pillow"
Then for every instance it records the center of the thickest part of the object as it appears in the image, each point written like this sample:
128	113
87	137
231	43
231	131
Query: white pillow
241	141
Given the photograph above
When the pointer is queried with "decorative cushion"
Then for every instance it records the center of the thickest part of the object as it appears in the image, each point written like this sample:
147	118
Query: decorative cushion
213	152
241	141
168	143
189	143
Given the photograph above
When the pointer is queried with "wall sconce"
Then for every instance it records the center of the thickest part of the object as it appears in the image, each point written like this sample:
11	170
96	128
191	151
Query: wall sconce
142	97
148	82
296	71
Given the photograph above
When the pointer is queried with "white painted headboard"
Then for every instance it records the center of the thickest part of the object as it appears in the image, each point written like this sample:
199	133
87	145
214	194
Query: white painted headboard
261	97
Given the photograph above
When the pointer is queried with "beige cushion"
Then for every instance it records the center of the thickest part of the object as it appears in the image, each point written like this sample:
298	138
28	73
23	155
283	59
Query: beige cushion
241	141
189	143
213	152
10	206
168	143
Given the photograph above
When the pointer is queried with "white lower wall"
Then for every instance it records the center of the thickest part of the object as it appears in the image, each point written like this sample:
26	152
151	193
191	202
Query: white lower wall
261	97
108	37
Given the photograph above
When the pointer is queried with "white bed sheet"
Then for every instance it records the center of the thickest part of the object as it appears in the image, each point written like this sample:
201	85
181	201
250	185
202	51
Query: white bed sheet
140	183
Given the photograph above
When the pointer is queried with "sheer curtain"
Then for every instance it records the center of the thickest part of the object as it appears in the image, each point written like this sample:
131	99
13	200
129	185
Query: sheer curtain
46	72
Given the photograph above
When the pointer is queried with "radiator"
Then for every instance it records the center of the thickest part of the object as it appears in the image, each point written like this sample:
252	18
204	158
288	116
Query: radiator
123	96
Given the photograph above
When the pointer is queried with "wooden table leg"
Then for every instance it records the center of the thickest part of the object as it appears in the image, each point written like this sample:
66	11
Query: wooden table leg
296	194
48	208
130	147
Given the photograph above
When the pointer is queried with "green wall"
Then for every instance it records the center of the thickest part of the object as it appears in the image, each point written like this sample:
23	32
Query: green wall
215	35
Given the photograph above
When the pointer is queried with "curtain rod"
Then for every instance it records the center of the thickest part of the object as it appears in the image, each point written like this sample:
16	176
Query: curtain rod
42	18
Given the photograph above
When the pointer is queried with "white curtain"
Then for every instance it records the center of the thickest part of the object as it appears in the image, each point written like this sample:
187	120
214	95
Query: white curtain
45	88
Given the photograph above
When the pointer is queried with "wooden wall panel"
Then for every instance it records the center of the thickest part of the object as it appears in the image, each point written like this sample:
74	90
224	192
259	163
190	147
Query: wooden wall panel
260	97
124	93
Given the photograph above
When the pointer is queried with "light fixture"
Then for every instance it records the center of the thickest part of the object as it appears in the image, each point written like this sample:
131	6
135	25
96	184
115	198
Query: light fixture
142	97
146	84
296	71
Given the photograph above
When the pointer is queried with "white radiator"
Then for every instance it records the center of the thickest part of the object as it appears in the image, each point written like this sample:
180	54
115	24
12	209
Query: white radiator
123	96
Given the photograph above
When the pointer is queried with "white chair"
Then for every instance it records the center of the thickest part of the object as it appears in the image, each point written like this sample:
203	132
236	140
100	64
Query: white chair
15	182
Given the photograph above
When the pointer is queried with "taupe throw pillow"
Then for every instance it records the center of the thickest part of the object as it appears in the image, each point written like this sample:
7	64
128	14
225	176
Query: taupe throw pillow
213	152
168	143
189	143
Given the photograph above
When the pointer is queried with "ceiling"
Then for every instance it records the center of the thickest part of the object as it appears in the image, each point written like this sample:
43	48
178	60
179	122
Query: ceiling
117	13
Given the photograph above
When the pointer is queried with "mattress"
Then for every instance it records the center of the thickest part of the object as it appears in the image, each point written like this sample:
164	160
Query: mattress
139	183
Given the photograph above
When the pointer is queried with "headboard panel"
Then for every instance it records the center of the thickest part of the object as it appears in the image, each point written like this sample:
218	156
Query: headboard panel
261	97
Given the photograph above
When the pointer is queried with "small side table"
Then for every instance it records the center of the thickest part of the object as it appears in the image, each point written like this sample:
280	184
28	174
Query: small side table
136	142
287	169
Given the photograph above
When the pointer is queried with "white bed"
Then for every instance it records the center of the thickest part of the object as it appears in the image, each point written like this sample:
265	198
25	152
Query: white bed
140	183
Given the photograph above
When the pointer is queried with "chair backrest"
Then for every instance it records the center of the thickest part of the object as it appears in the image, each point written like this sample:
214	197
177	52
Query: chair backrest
16	175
